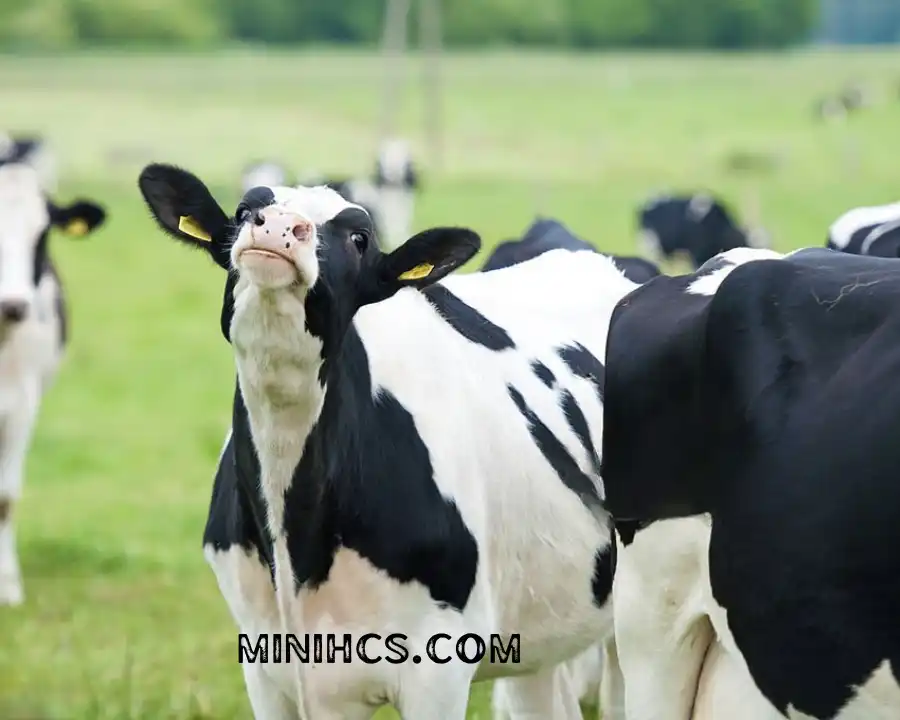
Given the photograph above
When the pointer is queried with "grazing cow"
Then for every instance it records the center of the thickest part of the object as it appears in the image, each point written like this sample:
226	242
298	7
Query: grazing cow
869	230
409	453
547	234
266	172
33	333
735	392
698	225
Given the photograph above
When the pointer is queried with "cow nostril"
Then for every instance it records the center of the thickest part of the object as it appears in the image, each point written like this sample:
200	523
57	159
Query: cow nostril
301	231
258	219
13	311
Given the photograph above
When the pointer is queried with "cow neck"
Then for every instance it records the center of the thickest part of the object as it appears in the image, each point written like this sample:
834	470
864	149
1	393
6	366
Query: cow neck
278	365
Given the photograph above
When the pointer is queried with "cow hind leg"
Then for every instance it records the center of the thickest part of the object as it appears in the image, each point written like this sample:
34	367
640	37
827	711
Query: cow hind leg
14	441
546	694
612	684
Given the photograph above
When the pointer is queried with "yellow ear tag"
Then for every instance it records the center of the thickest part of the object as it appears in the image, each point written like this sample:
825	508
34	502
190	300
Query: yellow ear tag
189	226
419	271
76	227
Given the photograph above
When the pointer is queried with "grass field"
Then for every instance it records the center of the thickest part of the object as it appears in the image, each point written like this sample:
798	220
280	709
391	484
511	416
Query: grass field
123	620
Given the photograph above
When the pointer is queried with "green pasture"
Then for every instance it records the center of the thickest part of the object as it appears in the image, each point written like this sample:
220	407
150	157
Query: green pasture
123	620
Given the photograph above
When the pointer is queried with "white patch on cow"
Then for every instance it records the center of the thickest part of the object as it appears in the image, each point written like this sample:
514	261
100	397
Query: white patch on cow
708	283
758	237
29	351
24	215
650	245
726	690
842	229
876	233
662	632
394	158
699	206
537	540
319	203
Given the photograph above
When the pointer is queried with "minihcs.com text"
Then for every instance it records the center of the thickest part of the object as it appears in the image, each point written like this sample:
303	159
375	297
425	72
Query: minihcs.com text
372	648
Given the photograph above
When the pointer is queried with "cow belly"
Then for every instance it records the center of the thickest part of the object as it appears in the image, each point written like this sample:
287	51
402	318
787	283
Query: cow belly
357	599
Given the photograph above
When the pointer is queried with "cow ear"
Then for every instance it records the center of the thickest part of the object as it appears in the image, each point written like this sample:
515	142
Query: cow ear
419	262
185	209
80	218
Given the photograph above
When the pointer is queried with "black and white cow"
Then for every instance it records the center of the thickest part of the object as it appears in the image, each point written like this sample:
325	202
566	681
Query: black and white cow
697	225
33	333
734	401
870	230
409	452
547	234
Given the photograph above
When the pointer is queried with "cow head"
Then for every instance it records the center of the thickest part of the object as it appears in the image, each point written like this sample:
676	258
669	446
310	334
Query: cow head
394	166
26	216
306	245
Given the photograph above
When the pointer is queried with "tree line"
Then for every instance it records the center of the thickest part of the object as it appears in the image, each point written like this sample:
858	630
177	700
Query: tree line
587	24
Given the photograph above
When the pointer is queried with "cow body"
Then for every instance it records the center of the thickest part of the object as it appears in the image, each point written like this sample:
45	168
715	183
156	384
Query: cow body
394	473
547	234
33	334
735	393
592	677
871	230
698	225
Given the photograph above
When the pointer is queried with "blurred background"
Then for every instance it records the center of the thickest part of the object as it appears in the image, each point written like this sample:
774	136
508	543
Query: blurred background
577	110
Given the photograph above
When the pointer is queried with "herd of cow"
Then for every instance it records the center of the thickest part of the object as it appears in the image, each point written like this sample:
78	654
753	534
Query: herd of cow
678	490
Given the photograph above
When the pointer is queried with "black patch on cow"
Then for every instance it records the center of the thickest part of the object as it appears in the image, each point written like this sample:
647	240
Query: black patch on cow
581	362
627	529
679	230
545	374
466	320
604	572
59	305
257	198
579	425
228	305
237	511
543	235
41	257
760	405
366	482
636	269
555	453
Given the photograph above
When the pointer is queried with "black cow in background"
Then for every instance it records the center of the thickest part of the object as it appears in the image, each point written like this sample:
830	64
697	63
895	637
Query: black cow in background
546	234
699	225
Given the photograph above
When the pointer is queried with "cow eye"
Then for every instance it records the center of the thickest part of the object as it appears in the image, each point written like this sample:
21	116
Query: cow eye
241	213
360	239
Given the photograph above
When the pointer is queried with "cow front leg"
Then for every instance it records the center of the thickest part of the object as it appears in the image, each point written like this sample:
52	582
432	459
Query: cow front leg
15	437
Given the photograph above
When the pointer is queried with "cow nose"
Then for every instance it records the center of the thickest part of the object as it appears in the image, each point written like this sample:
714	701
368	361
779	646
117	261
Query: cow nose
278	226
13	310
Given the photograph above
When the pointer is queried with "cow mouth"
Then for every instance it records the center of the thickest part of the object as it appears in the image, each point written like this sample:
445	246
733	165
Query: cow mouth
267	254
